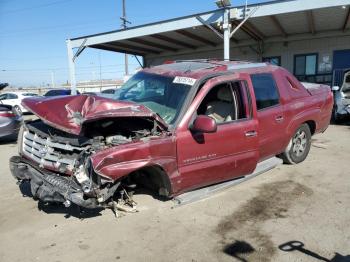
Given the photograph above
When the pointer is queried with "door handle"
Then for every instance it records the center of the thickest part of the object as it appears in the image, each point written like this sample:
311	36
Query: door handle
252	133
279	118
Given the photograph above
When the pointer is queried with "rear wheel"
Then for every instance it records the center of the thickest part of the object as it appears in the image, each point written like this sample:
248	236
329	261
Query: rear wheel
298	147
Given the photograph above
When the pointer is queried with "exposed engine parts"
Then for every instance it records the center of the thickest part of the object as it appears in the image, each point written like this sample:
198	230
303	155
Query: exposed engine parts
51	188
59	169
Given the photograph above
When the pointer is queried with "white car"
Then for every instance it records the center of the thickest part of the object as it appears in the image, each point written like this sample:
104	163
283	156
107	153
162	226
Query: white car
342	99
15	99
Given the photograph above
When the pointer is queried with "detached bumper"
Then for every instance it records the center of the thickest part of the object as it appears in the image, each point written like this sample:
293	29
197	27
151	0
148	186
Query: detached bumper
47	186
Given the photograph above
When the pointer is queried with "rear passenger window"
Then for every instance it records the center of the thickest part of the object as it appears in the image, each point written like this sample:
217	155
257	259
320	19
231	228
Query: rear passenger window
265	90
12	96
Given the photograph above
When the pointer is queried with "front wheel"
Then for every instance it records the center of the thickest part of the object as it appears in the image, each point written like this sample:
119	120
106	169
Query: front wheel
298	147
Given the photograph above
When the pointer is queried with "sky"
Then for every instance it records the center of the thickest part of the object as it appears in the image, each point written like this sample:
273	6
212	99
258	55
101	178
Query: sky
33	35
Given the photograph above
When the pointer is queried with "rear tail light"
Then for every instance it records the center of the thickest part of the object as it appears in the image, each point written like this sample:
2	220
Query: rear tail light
7	114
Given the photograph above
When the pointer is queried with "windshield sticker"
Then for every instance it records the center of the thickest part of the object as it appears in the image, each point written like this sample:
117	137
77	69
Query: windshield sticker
184	80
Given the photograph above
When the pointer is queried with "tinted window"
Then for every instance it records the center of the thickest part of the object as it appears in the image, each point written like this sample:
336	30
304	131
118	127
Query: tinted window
265	89
3	96
12	96
108	91
29	94
305	65
58	93
310	65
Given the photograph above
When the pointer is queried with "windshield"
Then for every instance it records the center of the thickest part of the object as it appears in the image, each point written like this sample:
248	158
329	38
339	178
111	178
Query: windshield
158	93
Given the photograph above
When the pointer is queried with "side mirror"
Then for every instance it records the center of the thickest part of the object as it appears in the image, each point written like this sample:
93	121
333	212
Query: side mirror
335	88
204	124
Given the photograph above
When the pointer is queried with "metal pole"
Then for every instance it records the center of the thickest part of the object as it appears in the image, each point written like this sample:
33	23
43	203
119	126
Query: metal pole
71	66
52	79
226	27
99	60
124	27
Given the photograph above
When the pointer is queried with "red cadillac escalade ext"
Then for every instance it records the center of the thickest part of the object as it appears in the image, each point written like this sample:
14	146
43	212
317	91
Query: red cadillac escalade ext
171	128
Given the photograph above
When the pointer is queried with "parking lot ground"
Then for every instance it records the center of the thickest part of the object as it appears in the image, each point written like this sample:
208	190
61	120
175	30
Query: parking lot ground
308	203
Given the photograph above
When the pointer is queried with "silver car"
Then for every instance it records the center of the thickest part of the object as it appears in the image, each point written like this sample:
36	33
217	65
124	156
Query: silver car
10	122
342	99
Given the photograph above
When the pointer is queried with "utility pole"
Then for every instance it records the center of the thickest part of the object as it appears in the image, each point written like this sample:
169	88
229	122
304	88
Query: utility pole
227	30
124	26
99	61
52	79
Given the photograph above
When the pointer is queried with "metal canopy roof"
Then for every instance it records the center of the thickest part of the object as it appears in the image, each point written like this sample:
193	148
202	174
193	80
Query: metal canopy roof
282	20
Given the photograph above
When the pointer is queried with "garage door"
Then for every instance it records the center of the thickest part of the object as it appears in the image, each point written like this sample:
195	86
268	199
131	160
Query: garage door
341	62
341	59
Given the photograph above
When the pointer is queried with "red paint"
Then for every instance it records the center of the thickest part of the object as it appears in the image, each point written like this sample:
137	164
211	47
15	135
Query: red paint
204	124
60	112
193	159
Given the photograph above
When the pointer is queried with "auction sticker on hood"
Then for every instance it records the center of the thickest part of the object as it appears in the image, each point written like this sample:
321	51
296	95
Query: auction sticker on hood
184	80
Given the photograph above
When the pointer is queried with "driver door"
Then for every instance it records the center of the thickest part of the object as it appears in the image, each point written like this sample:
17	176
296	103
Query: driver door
231	151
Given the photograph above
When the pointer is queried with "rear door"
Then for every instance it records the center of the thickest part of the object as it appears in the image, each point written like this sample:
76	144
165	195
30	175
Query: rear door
232	151
272	123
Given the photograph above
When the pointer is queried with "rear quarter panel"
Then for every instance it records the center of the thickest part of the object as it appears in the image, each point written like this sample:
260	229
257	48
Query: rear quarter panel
301	106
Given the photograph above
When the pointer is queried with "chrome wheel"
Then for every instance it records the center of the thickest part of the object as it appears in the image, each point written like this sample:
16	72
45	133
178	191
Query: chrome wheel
299	143
298	147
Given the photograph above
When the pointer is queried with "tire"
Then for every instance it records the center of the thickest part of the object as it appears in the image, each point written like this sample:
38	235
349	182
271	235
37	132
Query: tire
336	117
298	147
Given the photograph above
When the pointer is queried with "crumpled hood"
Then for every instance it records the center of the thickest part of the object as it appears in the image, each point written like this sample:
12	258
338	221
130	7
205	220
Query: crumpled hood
69	113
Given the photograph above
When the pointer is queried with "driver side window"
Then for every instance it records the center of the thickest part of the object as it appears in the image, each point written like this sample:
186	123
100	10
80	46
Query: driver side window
224	103
12	96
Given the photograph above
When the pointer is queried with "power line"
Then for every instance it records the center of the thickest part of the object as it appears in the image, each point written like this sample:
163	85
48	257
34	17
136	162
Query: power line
34	7
29	58
71	25
59	68
124	26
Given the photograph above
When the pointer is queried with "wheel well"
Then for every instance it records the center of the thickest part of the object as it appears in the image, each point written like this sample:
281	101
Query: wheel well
153	178
312	126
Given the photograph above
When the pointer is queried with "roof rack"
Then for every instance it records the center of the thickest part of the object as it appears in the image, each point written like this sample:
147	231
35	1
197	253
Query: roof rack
237	66
214	60
245	66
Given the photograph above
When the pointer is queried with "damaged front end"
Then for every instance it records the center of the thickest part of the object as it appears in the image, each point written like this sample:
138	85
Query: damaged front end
50	187
61	166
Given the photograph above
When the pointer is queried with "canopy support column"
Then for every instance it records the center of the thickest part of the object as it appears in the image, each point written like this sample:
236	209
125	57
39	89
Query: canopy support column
227	33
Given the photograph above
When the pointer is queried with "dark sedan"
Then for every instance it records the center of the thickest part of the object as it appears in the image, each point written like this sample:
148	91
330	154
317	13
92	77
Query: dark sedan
59	92
10	122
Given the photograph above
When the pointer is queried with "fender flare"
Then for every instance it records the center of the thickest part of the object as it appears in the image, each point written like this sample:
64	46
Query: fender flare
303	117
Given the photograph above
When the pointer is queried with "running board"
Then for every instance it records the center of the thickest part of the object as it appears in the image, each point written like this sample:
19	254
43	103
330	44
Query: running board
206	192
